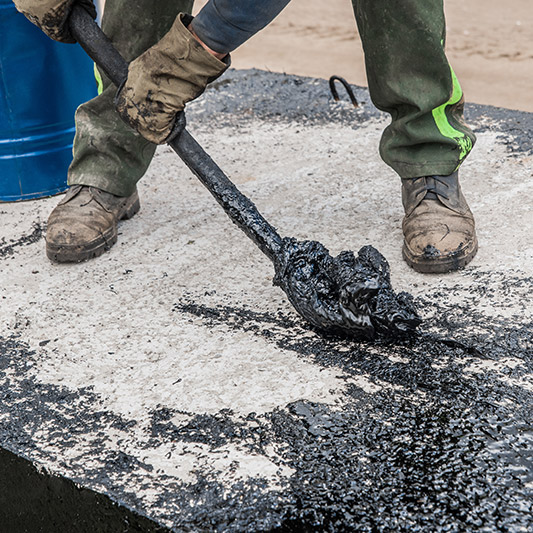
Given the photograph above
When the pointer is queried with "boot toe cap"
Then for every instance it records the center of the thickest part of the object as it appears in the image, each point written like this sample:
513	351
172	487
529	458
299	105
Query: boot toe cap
434	253
71	239
434	243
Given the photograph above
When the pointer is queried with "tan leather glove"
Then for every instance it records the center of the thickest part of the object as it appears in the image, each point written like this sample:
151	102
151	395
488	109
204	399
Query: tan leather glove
161	81
52	15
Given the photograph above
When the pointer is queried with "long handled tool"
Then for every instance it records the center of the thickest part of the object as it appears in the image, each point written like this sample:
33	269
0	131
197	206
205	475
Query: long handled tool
345	294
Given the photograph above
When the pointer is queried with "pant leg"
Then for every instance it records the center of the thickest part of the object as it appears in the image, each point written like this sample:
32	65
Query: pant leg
410	78
108	154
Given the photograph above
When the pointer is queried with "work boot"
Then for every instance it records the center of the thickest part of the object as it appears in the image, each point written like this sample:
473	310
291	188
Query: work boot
84	224
438	227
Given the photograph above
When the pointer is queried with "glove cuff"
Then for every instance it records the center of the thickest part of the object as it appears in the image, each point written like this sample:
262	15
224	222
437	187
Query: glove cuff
163	79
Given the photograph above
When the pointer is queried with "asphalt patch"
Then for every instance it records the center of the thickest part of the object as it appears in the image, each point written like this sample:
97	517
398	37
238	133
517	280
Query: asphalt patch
8	248
302	100
435	447
448	450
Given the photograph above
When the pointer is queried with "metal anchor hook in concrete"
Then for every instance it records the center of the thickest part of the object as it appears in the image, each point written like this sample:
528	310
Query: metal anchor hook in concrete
346	85
345	294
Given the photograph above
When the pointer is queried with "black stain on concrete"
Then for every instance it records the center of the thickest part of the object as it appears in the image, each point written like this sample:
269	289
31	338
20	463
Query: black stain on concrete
215	430
33	500
405	467
434	447
8	248
274	97
65	417
515	128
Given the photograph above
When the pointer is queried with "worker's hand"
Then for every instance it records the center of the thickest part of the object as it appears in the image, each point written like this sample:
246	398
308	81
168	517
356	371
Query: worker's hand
52	15
162	80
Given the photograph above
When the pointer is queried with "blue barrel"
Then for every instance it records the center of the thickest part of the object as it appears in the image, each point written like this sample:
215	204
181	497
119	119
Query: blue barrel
42	82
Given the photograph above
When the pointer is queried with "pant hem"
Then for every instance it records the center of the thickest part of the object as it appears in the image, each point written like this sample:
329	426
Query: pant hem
108	185
417	170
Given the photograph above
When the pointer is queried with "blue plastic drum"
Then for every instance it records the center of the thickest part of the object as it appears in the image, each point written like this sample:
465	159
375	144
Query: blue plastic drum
42	82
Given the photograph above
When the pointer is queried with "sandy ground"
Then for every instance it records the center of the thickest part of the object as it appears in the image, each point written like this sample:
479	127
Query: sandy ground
490	45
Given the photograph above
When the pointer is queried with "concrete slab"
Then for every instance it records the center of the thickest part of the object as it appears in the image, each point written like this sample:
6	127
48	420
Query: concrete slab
170	376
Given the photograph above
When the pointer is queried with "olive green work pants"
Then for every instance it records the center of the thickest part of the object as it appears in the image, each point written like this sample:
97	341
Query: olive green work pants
107	153
408	75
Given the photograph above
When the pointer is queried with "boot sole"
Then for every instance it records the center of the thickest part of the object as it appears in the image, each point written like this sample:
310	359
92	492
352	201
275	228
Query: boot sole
78	254
443	265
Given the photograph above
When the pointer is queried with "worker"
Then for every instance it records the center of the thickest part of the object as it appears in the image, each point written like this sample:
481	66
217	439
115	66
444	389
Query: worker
175	56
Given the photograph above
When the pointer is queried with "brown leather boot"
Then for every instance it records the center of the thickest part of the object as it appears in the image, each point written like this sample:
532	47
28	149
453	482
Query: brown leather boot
438	227
84	224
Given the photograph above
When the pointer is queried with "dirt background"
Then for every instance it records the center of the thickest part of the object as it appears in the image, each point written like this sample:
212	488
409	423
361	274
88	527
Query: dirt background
490	45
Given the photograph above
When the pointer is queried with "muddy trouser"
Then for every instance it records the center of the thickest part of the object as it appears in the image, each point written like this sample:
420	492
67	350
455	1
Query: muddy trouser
408	75
410	78
108	154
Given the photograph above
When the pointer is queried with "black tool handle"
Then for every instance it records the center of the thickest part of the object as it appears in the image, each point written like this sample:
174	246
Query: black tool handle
237	206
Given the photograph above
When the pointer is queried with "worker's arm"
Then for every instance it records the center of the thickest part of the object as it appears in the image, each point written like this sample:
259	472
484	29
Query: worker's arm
178	68
193	53
223	25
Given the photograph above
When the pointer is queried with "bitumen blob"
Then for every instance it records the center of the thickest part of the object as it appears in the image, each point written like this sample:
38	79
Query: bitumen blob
346	294
338	295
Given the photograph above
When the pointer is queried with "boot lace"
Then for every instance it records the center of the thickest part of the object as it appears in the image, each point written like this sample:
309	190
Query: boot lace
433	185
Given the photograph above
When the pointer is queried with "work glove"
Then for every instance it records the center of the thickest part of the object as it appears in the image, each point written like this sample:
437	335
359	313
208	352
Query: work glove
52	15
163	79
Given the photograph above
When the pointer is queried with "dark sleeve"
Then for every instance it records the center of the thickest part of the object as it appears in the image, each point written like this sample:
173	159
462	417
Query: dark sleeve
224	25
